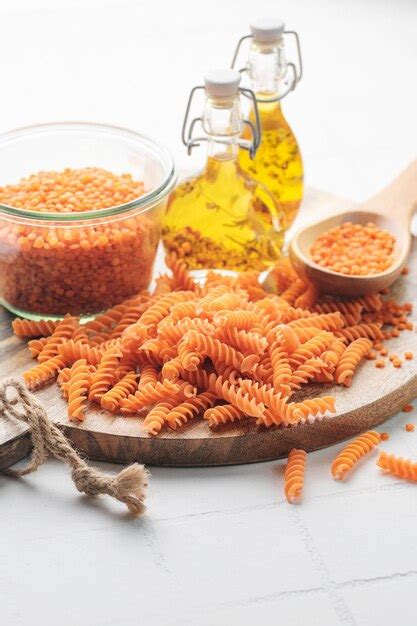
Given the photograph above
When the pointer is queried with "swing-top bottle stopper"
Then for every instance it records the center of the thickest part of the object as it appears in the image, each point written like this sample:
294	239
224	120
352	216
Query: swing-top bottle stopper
222	90
268	48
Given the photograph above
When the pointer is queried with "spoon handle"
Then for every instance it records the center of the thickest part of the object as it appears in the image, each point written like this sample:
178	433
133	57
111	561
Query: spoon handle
398	200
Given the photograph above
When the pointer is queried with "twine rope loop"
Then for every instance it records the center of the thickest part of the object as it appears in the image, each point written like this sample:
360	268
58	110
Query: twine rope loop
128	486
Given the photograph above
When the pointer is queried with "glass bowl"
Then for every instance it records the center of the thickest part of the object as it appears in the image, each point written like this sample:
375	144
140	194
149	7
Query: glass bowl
80	263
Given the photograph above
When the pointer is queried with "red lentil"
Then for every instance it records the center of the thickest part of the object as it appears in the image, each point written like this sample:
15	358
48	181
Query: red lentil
79	267
384	436
409	356
409	427
408	408
379	363
354	249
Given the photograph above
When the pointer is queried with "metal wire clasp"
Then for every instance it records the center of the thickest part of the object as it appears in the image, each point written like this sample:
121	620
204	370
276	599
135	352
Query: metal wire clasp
191	141
296	69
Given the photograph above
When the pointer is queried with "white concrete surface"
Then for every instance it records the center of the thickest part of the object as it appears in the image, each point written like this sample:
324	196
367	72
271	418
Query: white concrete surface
218	546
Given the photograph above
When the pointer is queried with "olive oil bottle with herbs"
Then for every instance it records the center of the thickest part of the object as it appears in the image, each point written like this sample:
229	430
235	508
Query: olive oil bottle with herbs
223	219
277	163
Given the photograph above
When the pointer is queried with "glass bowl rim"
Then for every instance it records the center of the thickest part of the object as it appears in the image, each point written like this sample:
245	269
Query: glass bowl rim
142	202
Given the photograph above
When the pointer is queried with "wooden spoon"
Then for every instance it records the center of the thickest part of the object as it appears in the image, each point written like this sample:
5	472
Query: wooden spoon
391	209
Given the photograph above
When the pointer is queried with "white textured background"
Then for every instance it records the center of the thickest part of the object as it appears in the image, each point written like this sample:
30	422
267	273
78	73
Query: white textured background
218	546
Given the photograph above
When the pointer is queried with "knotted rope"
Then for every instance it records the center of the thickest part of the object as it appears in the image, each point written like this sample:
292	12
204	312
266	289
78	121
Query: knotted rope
129	486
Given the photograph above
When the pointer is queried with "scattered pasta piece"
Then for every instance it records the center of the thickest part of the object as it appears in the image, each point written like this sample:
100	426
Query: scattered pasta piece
350	455
397	466
294	475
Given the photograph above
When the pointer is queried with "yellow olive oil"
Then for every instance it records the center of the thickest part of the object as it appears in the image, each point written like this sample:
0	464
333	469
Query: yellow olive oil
223	220
277	163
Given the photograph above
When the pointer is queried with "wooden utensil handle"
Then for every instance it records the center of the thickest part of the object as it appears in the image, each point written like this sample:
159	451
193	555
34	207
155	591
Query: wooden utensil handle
398	200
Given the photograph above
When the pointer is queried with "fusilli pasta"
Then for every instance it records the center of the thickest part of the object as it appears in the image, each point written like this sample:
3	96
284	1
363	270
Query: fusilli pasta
44	372
217	350
313	347
181	278
281	370
241	320
246	342
224	350
122	389
294	291
30	328
350	455
189	409
223	414
104	377
78	386
397	466
64	331
372	331
350	360
71	351
310	409
36	346
294	475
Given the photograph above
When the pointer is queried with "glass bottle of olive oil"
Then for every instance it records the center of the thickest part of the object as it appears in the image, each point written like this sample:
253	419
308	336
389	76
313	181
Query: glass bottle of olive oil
278	163
222	219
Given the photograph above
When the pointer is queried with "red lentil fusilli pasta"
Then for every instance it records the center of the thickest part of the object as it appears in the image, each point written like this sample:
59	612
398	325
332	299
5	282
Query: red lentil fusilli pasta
397	466
350	455
125	387
43	373
223	414
78	386
222	351
294	475
350	360
30	328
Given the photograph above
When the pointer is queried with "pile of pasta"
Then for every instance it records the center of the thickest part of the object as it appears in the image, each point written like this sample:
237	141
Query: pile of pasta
224	351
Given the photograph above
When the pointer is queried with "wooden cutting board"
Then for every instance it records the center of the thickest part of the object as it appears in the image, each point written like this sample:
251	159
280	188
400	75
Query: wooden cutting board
375	395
